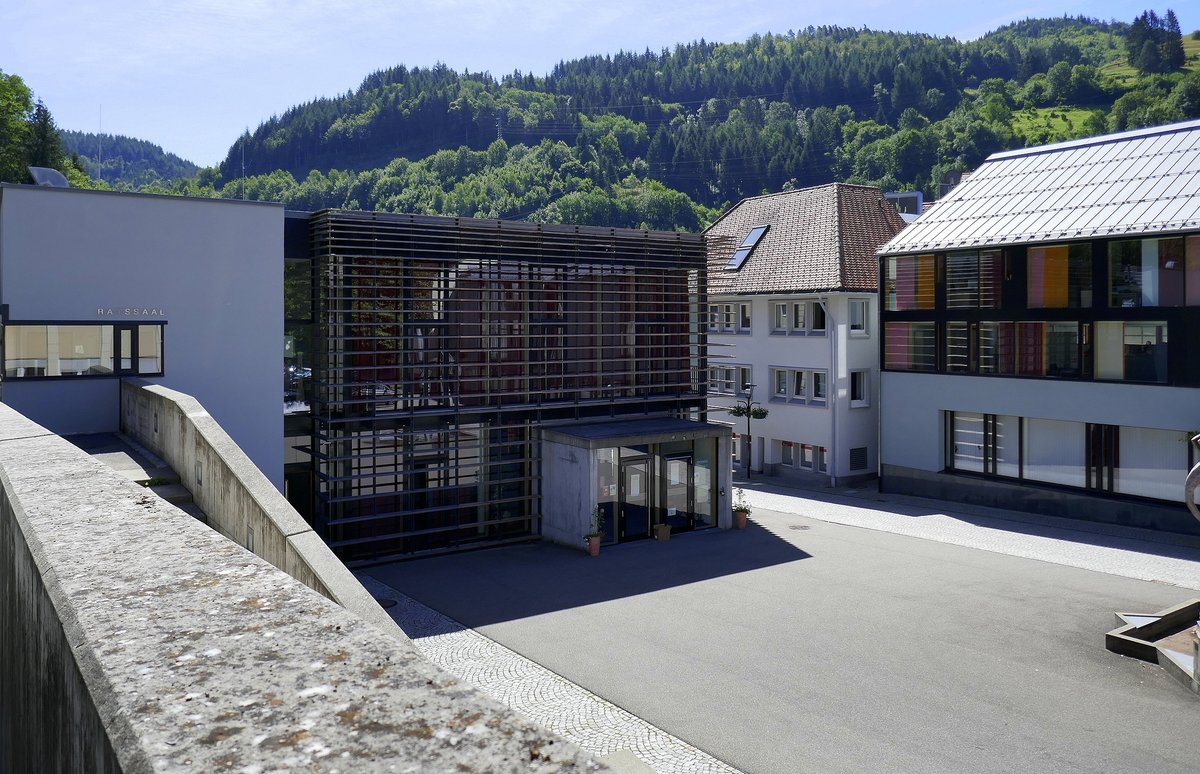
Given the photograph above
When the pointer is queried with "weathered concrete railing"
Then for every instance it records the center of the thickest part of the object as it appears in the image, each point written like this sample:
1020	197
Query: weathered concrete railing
240	502
135	639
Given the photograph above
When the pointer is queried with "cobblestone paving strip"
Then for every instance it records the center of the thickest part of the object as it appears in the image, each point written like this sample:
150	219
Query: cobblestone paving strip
581	717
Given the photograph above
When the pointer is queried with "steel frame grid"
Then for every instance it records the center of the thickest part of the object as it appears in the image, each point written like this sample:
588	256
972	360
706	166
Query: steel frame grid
443	343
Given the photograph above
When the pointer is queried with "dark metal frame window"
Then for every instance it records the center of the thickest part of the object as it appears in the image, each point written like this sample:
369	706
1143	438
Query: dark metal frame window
82	350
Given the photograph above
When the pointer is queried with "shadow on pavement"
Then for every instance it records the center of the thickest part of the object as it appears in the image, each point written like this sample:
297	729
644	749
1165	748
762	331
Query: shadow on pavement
867	495
502	584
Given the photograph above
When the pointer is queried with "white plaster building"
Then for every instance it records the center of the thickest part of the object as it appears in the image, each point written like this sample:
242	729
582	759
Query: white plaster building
793	310
187	293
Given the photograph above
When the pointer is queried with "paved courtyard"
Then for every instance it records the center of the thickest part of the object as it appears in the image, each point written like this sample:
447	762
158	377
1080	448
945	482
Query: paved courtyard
842	631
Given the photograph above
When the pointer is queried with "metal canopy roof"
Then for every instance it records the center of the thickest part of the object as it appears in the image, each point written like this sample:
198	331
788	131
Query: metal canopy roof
1141	182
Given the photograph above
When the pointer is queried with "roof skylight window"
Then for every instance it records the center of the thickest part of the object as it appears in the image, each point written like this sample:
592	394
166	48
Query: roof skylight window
745	248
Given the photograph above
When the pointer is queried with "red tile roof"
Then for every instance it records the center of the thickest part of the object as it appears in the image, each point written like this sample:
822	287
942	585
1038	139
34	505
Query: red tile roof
821	239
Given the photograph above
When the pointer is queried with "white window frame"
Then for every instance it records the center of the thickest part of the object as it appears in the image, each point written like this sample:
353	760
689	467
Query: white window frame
788	449
745	375
812	316
865	400
864	305
819	378
779	317
776	375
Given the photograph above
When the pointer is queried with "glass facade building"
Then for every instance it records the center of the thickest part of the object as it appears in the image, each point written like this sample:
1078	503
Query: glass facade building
439	348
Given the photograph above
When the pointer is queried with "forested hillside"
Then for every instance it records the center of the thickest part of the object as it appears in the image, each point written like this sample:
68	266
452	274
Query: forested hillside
668	138
133	162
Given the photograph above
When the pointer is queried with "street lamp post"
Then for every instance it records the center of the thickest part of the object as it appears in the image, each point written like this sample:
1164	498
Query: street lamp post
750	409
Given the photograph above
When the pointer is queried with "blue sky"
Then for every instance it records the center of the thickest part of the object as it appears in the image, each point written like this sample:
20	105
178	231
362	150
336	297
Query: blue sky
191	76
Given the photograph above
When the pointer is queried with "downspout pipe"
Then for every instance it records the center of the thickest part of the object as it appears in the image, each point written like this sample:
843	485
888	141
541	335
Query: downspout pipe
834	379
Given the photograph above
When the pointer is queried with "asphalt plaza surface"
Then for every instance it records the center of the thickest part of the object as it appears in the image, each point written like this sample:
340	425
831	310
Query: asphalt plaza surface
802	644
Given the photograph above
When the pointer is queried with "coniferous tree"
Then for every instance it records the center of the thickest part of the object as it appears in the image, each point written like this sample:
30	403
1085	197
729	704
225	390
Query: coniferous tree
44	147
1173	55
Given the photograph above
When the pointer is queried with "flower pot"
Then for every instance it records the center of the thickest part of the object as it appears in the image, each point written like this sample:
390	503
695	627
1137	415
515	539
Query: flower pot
739	518
662	531
594	545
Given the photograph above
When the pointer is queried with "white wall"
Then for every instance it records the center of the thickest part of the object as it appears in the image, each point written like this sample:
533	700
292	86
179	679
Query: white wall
912	406
763	350
214	268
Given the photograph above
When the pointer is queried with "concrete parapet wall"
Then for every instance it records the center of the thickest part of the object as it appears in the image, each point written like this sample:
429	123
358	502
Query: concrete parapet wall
135	639
240	502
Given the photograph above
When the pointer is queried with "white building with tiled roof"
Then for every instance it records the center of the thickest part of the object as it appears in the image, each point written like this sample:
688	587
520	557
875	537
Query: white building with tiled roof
1040	333
793	309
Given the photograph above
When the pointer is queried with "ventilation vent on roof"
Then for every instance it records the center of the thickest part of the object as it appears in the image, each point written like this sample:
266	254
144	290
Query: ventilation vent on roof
745	248
48	177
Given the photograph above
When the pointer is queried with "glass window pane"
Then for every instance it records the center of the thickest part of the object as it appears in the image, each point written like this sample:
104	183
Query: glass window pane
967	441
1153	463
962	280
705	450
818	317
1146	351
1031	349
908	282
798	321
958	348
1006	446
25	350
80	350
1193	271
858	315
909	346
781	384
149	349
996	348
126	348
1054	451
780	317
1147	272
798	384
819	385
1060	276
1062	349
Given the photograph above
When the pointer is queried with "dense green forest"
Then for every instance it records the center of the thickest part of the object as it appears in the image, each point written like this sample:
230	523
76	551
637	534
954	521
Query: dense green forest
30	138
132	162
667	139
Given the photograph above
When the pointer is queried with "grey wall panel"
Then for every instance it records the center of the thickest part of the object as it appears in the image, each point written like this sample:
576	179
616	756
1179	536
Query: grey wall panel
212	269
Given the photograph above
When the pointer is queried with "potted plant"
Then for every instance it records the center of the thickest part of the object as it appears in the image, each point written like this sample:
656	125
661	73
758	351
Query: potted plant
741	508
595	531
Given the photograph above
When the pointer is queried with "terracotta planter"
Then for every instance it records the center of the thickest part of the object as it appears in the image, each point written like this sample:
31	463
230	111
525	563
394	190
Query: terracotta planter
739	518
594	545
662	531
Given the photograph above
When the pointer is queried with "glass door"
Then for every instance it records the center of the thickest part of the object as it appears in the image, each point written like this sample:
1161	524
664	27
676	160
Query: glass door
677	492
634	500
126	353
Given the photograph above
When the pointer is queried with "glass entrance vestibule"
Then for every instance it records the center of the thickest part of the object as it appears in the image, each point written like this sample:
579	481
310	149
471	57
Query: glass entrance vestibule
638	477
639	487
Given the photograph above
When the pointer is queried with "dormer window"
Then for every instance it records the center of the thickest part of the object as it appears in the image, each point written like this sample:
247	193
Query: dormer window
745	248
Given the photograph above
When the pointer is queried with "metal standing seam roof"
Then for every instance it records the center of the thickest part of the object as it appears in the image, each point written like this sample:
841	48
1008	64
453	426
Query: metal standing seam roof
820	239
1145	181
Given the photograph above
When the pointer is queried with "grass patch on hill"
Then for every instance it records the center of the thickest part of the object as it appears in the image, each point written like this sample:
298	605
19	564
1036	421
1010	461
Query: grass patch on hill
1053	124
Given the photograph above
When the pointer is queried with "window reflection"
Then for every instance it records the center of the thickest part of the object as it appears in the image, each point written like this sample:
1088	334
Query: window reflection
80	350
